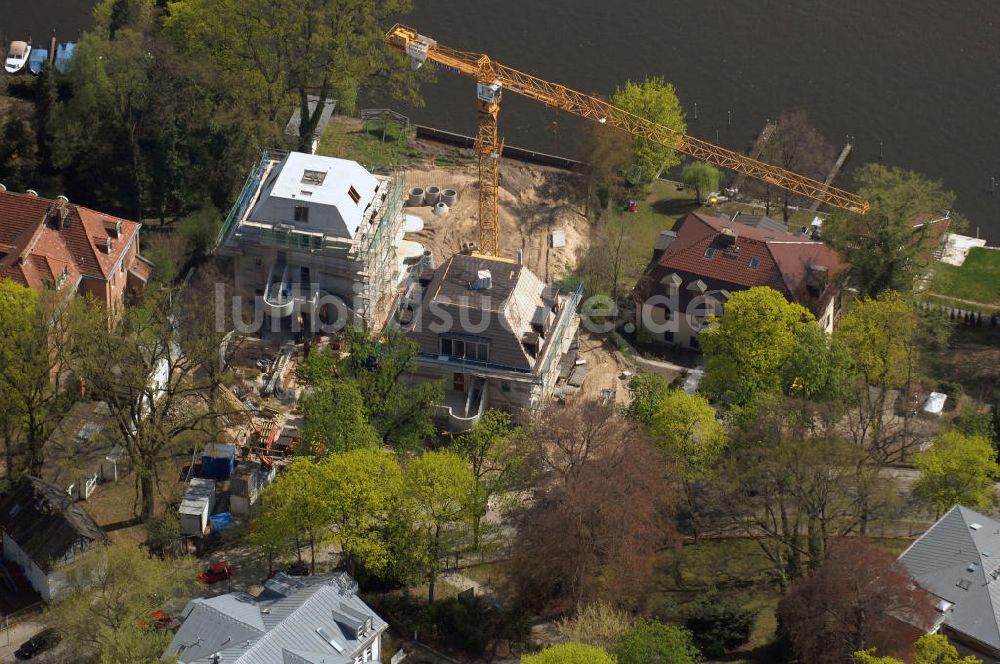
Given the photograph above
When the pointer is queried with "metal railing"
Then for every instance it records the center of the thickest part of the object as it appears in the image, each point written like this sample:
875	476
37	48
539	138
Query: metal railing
247	193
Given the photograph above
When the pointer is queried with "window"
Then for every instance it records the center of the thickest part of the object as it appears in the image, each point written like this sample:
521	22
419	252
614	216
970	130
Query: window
665	311
353	193
754	263
257	262
668	336
505	387
112	279
710	253
694	342
302	214
464	349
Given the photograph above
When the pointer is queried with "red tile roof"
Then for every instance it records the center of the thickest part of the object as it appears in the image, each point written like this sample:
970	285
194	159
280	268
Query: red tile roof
704	249
35	250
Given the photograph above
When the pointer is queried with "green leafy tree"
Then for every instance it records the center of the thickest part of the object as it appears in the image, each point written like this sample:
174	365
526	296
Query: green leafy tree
718	622
685	426
111	592
892	245
656	100
648	390
274	55
928	649
496	450
748	347
704	178
957	470
35	330
402	414
886	339
819	367
652	641
134	645
300	503
570	653
272	532
365	492
336	420
441	487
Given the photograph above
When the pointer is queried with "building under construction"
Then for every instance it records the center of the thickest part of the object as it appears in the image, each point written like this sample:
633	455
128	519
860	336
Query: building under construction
318	240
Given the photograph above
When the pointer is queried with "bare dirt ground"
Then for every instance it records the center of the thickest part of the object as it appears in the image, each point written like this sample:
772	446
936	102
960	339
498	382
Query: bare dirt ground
534	201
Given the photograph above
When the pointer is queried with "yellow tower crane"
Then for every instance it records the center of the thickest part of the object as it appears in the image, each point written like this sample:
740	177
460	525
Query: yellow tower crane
492	78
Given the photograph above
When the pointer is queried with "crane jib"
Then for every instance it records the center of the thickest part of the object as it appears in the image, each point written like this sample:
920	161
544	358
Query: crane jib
490	72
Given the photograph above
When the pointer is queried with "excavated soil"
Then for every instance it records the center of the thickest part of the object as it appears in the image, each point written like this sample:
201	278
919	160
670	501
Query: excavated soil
534	201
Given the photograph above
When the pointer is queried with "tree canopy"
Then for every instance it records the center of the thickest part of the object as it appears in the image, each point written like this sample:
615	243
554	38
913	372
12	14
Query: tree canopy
570	653
704	178
747	348
686	428
957	470
892	245
653	641
656	100
111	592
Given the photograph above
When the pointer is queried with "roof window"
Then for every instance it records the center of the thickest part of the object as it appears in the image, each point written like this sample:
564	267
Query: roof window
710	253
975	526
314	178
353	193
754	263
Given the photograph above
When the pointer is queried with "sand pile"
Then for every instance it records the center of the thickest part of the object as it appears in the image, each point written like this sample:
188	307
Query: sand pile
534	201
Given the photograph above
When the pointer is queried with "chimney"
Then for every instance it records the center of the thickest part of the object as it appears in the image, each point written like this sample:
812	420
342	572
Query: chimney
31	193
663	242
3	188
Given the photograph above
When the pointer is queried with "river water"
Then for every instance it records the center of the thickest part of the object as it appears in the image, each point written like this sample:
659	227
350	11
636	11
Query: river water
915	82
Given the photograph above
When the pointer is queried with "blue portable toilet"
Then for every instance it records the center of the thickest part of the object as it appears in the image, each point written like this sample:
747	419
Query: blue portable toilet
218	461
221	521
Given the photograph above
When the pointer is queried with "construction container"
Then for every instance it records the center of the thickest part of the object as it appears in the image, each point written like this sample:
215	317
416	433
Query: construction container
218	461
244	487
199	500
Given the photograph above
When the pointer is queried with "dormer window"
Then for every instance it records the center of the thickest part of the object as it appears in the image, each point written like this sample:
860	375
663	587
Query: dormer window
353	193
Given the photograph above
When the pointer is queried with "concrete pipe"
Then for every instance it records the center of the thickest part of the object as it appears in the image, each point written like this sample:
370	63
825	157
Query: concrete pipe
432	196
441	209
449	196
416	198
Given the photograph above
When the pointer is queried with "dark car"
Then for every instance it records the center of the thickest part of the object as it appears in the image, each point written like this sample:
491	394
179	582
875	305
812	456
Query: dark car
299	568
216	572
39	643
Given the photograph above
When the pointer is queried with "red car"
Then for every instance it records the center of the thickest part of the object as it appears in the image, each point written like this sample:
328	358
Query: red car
216	572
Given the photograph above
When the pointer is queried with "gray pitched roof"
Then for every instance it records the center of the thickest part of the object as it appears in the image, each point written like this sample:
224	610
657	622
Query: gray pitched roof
513	305
958	559
282	625
45	522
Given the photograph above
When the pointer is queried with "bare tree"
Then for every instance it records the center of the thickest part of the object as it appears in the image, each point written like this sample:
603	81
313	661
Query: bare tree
602	509
158	370
859	598
798	146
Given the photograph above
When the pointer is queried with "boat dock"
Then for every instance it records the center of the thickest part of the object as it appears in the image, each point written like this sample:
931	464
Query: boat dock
837	165
758	146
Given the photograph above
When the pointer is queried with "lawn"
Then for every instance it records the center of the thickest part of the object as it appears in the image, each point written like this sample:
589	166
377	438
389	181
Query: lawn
736	566
977	279
661	207
348	138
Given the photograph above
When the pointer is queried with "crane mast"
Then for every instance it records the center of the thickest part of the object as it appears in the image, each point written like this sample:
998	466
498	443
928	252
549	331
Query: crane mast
492	78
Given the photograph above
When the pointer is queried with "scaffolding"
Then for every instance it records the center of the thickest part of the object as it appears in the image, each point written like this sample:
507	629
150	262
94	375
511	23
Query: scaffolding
368	259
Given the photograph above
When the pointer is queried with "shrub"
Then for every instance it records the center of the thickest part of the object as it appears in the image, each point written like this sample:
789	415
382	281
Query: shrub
718	623
652	641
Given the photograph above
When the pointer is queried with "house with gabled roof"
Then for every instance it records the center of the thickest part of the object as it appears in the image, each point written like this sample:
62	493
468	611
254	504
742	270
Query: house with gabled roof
43	527
958	561
704	259
294	620
52	243
496	333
